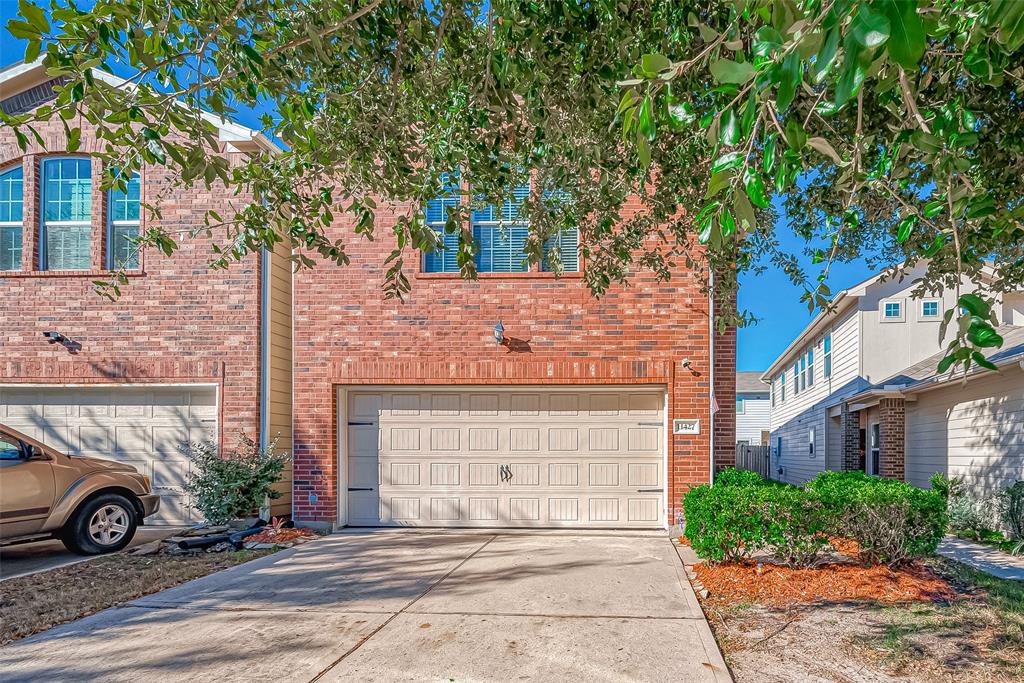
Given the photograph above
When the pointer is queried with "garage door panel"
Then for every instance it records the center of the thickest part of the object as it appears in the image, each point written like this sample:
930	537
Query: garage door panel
147	427
506	458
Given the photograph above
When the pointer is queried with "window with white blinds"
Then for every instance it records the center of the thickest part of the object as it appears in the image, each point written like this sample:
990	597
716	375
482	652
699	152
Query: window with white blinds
67	214
123	230
11	218
500	233
443	260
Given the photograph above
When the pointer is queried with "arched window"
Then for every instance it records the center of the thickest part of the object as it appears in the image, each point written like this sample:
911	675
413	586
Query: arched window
67	213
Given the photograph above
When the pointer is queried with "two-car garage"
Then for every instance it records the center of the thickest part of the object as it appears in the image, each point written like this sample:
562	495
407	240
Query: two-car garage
147	426
569	456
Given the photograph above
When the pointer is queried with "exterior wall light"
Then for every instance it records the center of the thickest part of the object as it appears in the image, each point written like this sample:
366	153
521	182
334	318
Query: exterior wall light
499	334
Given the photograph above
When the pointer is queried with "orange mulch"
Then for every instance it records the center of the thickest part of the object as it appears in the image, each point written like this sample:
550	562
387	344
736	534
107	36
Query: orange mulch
271	535
683	540
777	586
845	546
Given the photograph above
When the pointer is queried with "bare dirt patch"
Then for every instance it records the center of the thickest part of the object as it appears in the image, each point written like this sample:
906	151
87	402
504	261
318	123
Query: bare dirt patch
30	604
774	633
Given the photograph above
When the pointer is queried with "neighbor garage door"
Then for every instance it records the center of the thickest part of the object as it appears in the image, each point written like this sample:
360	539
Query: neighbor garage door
147	427
567	457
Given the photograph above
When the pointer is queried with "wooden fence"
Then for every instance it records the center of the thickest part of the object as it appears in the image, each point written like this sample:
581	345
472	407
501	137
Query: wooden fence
754	458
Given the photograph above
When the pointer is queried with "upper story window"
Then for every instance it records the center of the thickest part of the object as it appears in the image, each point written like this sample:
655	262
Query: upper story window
11	217
123	230
66	214
741	405
810	367
782	387
796	378
803	372
500	234
930	309
828	355
892	311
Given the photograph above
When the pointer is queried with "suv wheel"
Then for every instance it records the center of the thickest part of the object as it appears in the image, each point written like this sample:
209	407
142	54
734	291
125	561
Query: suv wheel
104	524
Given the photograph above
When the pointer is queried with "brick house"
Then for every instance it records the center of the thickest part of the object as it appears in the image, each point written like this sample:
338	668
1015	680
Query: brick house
185	353
412	414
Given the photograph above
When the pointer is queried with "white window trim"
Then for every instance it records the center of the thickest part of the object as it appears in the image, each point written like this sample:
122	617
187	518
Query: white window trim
740	401
930	318
892	319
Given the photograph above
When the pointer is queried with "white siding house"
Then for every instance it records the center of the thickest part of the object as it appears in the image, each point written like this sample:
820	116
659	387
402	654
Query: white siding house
857	390
753	408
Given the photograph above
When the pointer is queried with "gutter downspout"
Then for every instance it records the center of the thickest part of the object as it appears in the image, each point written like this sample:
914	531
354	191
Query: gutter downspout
264	360
711	373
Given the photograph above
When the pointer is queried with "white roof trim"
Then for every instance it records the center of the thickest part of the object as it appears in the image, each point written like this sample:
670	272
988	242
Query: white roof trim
29	75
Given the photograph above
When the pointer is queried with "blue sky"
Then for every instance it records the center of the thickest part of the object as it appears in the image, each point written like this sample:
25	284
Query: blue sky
770	296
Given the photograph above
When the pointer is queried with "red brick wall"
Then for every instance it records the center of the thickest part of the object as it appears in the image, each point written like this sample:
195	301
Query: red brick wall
176	320
346	333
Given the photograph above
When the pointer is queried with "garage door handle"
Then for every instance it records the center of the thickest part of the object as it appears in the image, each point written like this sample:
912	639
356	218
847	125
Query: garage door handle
650	490
360	489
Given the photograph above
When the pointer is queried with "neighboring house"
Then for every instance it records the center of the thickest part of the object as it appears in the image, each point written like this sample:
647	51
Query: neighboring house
184	354
753	409
408	413
857	390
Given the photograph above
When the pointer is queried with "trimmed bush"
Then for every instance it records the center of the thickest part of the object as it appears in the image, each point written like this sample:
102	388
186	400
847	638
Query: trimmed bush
1013	513
742	514
734	477
890	520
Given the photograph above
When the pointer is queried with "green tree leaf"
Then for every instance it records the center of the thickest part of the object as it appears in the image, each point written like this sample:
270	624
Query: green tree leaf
907	43
868	28
728	71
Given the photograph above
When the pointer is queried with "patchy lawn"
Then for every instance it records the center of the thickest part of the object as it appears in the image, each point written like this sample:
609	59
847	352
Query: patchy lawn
30	604
974	633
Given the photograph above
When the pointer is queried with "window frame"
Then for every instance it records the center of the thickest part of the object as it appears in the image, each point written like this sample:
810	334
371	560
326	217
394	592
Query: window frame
16	226
534	270
108	258
741	405
44	224
810	368
884	310
827	355
930	318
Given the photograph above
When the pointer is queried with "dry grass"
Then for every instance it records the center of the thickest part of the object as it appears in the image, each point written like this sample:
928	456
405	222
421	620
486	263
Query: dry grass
30	604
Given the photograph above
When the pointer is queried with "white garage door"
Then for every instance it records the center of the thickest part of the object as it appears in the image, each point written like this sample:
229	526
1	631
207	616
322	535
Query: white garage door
567	457
144	426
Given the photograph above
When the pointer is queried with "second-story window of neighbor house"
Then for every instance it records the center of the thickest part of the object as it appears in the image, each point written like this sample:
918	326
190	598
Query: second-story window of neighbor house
123	207
810	367
930	309
500	234
803	372
892	310
11	218
827	348
782	387
796	378
67	214
741	405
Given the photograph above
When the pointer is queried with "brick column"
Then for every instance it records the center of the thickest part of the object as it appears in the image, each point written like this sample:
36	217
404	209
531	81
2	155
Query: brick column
850	424
892	428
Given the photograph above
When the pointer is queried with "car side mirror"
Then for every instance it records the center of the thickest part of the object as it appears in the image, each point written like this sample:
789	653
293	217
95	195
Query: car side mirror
35	453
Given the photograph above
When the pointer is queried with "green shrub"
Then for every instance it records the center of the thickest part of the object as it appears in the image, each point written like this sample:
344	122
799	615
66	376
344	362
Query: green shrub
1013	512
235	485
734	477
741	515
949	488
890	520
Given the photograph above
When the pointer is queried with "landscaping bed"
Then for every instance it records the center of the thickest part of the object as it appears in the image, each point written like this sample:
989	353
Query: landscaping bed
34	603
837	580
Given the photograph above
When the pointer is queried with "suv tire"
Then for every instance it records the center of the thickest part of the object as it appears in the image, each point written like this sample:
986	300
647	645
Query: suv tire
104	524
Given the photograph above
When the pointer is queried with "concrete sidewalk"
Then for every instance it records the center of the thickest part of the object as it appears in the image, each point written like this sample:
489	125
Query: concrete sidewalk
983	558
404	606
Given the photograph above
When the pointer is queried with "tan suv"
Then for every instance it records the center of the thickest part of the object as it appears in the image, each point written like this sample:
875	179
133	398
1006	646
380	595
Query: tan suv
92	505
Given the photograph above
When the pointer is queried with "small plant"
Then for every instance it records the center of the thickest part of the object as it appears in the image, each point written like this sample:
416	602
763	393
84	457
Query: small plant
235	485
949	488
965	518
1013	511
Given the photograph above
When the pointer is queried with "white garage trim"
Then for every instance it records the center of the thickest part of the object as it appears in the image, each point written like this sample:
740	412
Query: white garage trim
343	398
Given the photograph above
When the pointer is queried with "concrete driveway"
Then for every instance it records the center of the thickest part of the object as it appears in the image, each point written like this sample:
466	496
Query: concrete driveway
404	606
